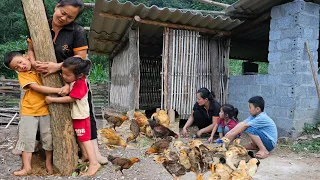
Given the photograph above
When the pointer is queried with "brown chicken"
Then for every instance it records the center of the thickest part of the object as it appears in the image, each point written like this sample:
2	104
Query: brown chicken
159	146
142	120
162	118
135	130
160	131
122	163
242	151
116	120
197	165
110	137
174	168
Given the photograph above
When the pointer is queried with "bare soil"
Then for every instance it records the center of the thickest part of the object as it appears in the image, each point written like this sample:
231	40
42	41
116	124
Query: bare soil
282	164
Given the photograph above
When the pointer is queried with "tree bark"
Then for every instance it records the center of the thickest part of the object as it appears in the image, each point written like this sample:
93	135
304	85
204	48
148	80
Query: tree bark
64	144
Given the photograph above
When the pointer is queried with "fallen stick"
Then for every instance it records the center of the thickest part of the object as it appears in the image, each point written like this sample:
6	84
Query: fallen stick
11	120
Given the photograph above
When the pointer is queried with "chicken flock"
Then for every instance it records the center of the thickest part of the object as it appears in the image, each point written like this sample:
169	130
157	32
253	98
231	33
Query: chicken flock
228	161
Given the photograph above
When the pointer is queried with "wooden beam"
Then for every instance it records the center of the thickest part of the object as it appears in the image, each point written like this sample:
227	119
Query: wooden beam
133	25
178	26
222	5
89	5
105	41
114	16
65	149
165	68
251	25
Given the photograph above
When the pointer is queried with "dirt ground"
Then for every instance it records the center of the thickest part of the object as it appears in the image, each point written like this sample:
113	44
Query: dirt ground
283	164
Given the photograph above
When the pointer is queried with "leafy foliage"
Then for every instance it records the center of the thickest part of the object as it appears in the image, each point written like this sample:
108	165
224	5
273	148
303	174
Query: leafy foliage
235	67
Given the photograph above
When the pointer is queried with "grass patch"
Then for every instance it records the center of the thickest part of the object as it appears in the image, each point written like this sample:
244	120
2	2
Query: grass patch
312	146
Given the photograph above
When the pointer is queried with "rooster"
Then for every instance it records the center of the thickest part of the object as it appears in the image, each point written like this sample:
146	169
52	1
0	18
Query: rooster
122	163
116	120
135	130
161	131
162	118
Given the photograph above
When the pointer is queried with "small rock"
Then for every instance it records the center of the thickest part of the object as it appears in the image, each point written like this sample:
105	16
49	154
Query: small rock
285	140
315	136
305	137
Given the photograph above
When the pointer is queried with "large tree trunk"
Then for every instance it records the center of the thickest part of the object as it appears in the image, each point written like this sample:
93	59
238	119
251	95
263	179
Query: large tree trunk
64	144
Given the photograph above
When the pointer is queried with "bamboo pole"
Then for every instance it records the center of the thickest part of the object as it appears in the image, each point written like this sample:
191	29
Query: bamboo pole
165	67
172	105
315	78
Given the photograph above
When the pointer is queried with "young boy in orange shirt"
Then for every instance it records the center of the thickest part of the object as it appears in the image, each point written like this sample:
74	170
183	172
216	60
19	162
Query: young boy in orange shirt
34	112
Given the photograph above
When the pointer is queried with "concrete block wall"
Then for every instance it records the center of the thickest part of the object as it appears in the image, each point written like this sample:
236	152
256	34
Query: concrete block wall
288	89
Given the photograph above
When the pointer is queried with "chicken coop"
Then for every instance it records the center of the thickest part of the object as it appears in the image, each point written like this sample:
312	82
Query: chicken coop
160	56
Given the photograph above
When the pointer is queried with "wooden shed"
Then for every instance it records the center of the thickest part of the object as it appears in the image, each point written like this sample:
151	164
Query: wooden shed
160	56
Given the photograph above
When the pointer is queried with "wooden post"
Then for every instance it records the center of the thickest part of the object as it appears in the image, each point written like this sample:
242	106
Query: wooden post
165	68
3	94
64	145
314	74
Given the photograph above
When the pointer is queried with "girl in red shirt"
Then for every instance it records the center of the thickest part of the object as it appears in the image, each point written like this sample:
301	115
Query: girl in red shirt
227	121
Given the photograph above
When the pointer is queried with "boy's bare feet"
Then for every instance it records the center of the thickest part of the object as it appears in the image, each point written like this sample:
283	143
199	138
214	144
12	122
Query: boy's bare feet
262	154
49	168
251	146
92	170
22	172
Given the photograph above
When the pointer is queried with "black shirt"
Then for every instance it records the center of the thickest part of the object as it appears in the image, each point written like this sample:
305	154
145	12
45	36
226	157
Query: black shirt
203	119
71	38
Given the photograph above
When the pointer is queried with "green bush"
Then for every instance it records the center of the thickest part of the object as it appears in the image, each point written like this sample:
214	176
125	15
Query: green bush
235	67
99	72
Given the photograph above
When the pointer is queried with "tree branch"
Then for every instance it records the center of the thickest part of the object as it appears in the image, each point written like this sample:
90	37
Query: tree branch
223	5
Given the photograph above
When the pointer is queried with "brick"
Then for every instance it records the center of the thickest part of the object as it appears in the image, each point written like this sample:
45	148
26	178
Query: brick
276	12
249	79
274	35
288	79
274	57
255	89
261	79
284	44
290	56
292	8
292	32
273	101
312	8
300	43
273	80
301	91
305	79
309	102
288	22
280	111
236	80
312	91
267	91
284	123
282	90
304	19
287	102
272	46
309	33
302	66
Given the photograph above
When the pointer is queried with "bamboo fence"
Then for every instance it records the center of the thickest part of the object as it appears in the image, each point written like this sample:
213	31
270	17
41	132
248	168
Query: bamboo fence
192	65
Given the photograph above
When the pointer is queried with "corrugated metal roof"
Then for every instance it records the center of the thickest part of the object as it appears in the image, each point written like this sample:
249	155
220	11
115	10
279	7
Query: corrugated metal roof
253	7
113	29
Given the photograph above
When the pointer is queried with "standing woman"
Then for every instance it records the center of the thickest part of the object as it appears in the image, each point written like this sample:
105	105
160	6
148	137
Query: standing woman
69	39
205	113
